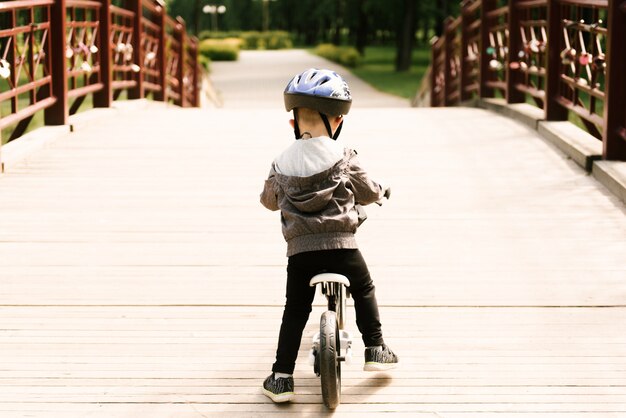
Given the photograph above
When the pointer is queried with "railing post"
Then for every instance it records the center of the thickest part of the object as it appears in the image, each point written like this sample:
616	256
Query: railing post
614	135
553	110
196	76
447	67
514	76
434	55
180	71
58	113
486	23
136	6
104	97
162	53
464	80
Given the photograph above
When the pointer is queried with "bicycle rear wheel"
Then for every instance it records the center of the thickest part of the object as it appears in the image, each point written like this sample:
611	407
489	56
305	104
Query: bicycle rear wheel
330	365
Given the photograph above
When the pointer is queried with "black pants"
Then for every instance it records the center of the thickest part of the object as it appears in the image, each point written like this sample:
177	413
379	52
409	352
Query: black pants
300	269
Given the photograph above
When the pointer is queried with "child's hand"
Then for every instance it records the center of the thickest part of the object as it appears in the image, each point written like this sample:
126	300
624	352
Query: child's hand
386	195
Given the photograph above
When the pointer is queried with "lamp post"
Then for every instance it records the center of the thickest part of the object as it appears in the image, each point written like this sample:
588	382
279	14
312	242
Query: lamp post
214	10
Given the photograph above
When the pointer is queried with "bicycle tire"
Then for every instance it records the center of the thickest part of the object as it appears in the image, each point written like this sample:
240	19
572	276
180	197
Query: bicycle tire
330	365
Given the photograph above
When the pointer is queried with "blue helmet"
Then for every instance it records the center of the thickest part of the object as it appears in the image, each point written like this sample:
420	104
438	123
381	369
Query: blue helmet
321	90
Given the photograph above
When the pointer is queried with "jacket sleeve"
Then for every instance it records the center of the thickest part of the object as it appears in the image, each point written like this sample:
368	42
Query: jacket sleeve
365	190
269	198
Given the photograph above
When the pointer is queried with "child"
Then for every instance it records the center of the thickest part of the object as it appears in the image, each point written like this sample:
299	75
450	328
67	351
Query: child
317	184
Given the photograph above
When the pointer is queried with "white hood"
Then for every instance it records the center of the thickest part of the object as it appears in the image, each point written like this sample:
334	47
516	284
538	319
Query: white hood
309	156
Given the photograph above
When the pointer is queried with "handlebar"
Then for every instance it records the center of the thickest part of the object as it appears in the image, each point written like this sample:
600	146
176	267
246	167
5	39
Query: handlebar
387	195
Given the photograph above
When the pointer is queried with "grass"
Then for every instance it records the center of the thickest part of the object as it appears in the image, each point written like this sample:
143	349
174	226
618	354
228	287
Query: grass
38	119
377	69
24	101
36	122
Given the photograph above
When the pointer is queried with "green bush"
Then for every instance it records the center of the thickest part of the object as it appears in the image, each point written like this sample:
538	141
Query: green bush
279	40
220	49
344	55
209	34
254	39
266	40
205	61
350	57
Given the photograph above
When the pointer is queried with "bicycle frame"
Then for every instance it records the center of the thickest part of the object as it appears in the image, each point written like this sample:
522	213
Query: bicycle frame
336	293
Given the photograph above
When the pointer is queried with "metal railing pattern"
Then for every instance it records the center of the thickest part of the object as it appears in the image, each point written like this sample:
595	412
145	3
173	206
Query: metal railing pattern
174	66
25	65
153	48
470	41
564	56
84	73
55	53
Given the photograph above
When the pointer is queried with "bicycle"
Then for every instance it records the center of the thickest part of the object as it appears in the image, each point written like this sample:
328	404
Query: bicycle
326	353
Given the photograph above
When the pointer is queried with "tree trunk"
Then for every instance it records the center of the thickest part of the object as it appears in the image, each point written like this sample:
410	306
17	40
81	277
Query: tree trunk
362	27
310	35
338	22
405	38
197	12
443	13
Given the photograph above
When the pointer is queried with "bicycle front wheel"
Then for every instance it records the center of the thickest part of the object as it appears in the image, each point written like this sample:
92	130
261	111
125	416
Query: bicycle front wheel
330	365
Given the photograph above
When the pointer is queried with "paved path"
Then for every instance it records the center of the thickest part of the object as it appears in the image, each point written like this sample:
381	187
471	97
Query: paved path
259	78
141	277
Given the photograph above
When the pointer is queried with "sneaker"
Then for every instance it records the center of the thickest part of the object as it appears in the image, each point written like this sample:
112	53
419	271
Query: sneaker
379	359
278	390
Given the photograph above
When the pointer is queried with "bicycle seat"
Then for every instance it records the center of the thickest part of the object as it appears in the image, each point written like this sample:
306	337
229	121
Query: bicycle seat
329	277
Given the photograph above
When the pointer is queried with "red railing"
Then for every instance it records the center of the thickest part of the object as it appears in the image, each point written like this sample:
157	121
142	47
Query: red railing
564	56
25	64
452	62
84	73
437	73
153	50
125	51
191	81
580	85
470	41
174	67
495	51
55	53
528	41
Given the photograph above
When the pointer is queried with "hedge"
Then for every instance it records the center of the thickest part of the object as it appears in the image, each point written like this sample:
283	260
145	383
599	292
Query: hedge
220	49
266	40
253	39
344	55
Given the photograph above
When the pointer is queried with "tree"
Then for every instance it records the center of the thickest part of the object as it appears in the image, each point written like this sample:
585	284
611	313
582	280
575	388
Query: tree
405	36
365	22
362	26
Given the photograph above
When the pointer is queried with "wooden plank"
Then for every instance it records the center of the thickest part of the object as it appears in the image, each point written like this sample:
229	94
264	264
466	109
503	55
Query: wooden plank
120	246
242	357
312	387
417	386
154	408
450	403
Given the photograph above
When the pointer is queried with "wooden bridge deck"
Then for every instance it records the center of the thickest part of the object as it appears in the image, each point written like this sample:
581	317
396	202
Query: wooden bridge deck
141	277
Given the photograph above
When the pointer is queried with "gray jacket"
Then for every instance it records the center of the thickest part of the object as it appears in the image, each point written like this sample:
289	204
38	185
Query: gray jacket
319	212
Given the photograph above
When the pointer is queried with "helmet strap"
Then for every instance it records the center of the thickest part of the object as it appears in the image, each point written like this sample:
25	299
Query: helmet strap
338	131
296	127
328	128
